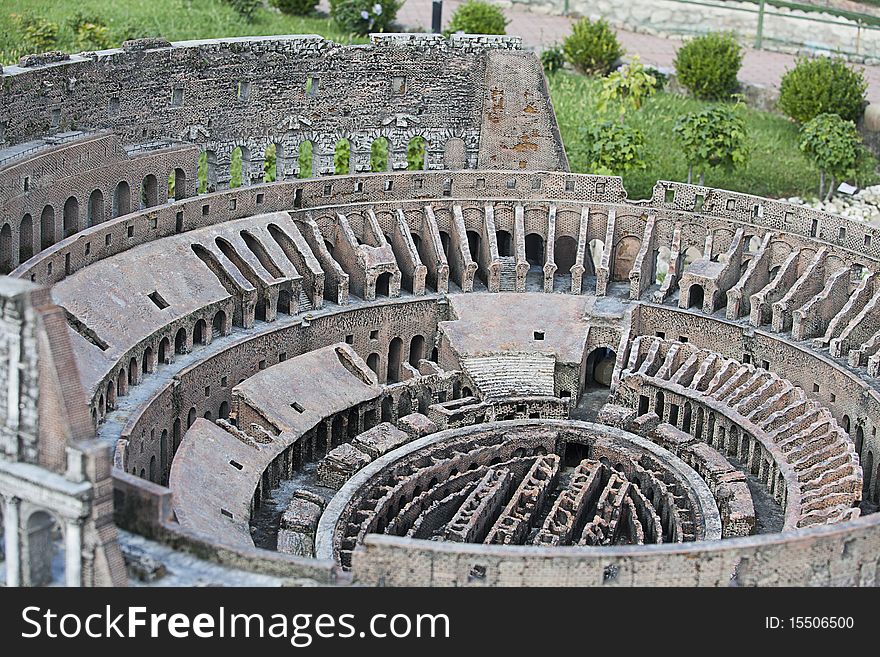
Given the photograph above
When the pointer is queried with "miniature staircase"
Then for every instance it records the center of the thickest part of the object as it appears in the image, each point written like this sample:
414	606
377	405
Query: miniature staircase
512	374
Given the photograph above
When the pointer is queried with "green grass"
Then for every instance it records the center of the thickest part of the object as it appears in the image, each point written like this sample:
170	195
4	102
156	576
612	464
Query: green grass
776	167
175	20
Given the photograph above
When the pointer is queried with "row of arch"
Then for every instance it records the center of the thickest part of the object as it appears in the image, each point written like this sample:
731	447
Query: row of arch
131	374
36	235
275	157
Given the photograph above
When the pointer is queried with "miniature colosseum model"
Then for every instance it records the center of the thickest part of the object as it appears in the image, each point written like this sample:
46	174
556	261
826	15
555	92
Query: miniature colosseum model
490	371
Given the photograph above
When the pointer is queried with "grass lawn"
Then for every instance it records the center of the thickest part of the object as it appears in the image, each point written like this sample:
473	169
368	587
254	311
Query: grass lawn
176	20
776	167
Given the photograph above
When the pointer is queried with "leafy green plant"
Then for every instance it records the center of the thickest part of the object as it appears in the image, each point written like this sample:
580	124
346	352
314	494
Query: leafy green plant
592	47
379	155
627	87
296	7
552	59
712	138
364	16
91	33
415	154
835	148
40	35
477	17
822	85
707	66
611	148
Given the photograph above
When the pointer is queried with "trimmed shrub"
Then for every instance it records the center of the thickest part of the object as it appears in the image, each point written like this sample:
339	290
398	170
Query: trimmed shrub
708	65
552	59
834	146
477	17
295	7
820	86
40	35
91	32
712	138
364	16
611	148
592	47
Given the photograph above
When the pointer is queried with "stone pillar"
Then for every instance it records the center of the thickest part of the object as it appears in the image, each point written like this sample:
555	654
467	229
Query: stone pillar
73	552
11	531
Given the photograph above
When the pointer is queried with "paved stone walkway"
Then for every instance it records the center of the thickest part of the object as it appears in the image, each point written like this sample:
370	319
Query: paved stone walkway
760	67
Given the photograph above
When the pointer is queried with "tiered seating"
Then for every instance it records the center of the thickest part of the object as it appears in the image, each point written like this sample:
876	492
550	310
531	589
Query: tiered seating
512	374
786	436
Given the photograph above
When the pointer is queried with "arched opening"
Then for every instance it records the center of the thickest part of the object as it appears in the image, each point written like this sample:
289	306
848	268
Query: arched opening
177	184
111	395
395	348
270	163
164	348
846	423
70	217
45	550
133	370
867	470
415	154
224	410
284	302
404	405
96	208
163	455
387	409
383	285
239	167
625	254
306	160
416	350
47	227
5	249
26	239
180	342
661	264
565	253
121	384
153	468
175	435
200	332
149	191
342	157
455	154
594	258
692	254
218	324
505	243
860	440
473	238
209	171
207	415
695	296
190	417
147	361
121	199
435	355
373	362
535	250
659	403
444	242
600	367
379	155
260	309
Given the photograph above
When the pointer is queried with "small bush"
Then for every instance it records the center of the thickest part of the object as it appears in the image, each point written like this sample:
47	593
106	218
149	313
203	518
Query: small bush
712	138
296	7
364	16
552	59
627	87
40	35
834	145
477	17
708	65
91	32
611	148
822	85
592	47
